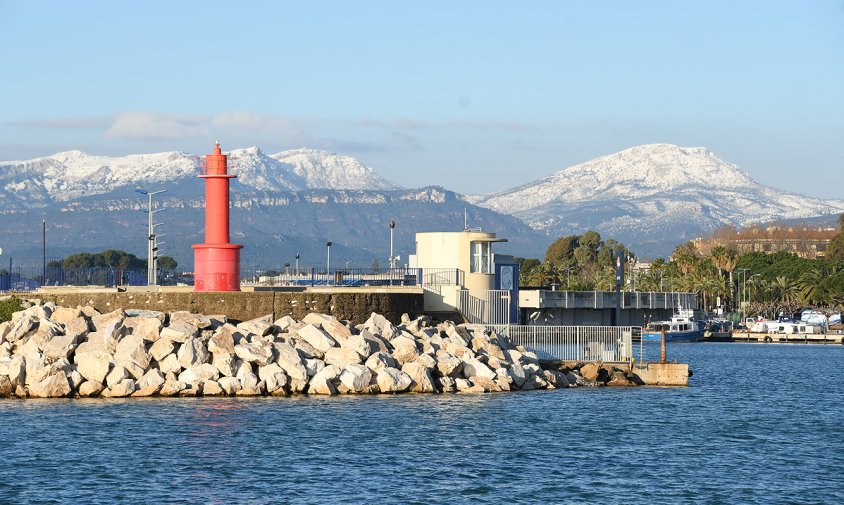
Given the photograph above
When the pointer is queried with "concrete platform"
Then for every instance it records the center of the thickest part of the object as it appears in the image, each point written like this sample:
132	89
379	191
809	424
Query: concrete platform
662	374
354	304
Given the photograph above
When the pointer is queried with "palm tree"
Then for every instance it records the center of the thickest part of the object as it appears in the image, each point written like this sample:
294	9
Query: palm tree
808	285
783	289
725	259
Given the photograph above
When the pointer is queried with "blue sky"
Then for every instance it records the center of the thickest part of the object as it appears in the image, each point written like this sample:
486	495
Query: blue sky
474	96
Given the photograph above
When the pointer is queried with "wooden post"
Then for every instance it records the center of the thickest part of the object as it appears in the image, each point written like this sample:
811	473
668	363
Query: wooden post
662	357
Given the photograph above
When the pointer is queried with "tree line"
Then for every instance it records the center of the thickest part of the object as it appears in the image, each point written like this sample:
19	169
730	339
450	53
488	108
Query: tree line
768	283
112	258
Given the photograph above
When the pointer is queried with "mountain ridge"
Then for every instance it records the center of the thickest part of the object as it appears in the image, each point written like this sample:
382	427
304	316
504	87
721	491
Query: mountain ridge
650	195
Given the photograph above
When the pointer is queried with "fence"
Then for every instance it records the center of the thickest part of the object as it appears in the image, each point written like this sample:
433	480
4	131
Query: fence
425	277
32	278
493	307
576	343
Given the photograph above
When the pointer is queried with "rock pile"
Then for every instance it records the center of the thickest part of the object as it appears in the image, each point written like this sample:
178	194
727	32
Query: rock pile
48	351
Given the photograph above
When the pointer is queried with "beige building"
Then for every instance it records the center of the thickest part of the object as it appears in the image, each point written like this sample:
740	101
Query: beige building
470	252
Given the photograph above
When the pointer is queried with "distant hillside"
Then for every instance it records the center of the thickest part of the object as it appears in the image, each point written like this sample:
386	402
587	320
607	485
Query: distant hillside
651	197
274	226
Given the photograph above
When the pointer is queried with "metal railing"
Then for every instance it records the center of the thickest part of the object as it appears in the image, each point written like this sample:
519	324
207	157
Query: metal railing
629	300
33	277
352	277
575	343
491	308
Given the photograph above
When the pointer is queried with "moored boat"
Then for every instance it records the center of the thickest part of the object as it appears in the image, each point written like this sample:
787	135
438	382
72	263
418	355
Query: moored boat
681	328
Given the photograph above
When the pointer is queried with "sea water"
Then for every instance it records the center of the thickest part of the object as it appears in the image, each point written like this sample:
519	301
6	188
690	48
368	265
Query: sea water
757	424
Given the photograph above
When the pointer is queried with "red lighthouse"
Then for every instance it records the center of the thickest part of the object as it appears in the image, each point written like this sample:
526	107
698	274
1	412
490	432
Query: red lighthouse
216	262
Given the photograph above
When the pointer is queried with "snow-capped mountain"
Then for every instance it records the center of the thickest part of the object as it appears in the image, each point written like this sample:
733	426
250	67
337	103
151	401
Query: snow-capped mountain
321	169
70	175
651	196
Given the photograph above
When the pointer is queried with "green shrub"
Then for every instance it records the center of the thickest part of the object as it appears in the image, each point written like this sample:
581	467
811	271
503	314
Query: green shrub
7	307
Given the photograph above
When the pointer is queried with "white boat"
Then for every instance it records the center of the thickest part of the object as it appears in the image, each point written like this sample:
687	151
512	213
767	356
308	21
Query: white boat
681	328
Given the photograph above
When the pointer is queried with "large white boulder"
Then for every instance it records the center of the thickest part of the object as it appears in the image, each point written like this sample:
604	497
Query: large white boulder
59	347
404	349
356	378
120	390
212	388
248	380
54	386
23	327
312	367
172	387
170	364
317	338
132	349
153	378
258	326
448	365
192	352
379	325
90	389
337	330
421	376
259	352
230	385
161	348
199	373
226	364
116	375
147	328
93	365
64	315
472	367
222	341
320	384
380	360
342	357
360	345
392	380
77	328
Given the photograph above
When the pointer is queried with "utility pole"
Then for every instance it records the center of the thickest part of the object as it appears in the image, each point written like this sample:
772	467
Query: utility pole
151	260
43	252
392	261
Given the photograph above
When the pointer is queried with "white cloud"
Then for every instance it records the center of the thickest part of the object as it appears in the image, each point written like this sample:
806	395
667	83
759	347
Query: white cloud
146	125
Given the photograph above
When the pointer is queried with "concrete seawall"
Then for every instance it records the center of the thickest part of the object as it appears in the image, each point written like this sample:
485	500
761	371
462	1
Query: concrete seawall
353	304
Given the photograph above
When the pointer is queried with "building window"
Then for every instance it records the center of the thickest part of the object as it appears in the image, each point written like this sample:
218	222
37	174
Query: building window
481	257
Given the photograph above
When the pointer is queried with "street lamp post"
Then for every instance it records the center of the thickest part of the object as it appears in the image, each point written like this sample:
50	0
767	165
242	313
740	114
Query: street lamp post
328	259
392	261
151	234
297	263
743	272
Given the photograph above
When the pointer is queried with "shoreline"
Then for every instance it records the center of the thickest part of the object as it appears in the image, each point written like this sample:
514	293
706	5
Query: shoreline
48	351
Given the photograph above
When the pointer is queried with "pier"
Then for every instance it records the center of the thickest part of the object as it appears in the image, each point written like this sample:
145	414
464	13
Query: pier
832	337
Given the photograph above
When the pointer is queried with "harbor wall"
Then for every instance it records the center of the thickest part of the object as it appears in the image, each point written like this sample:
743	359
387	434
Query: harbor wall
355	305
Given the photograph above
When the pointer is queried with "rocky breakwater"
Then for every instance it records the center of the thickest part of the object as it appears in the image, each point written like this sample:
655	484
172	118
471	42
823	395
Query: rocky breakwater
50	352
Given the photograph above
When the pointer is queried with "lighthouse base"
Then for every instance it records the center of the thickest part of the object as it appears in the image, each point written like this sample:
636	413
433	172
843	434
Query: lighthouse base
216	267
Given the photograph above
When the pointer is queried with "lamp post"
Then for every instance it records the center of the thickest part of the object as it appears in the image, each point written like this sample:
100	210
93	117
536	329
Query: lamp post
743	272
392	261
151	234
328	259
297	263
